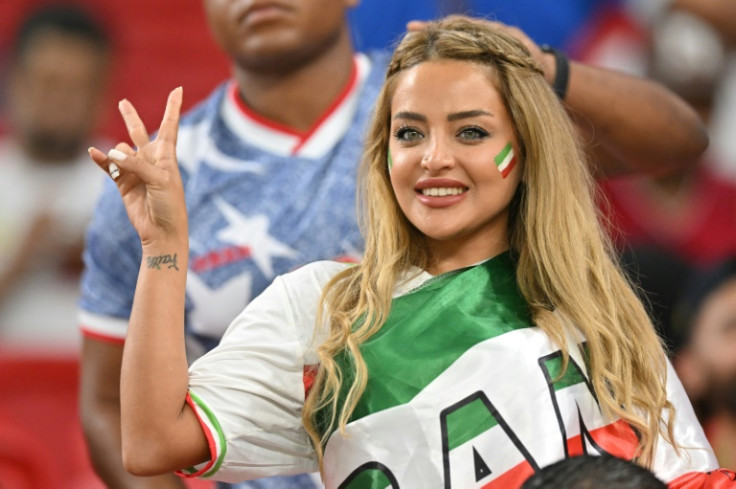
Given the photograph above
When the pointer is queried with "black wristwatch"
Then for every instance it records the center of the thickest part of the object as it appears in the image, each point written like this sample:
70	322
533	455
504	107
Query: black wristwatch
562	71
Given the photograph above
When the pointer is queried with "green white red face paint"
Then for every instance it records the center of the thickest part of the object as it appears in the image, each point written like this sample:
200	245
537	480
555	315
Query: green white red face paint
505	160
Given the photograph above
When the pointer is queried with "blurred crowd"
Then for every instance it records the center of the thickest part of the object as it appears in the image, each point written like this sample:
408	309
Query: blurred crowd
55	80
675	232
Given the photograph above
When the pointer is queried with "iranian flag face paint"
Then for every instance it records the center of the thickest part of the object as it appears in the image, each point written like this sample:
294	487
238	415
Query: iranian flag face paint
505	160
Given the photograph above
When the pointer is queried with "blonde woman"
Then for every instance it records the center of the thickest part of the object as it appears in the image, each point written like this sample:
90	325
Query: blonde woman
486	333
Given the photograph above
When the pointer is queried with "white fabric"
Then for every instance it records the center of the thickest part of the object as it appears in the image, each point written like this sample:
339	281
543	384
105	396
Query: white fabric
253	381
253	385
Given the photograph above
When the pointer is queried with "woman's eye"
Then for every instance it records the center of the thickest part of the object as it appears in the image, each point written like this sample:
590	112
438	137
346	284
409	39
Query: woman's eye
472	133
407	134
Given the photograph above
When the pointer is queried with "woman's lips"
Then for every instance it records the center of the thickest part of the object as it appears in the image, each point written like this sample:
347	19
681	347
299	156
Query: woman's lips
440	192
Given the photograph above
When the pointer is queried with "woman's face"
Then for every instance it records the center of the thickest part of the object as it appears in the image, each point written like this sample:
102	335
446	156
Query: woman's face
451	149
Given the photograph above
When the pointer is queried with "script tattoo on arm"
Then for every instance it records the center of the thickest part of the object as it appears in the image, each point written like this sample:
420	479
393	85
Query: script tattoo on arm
157	261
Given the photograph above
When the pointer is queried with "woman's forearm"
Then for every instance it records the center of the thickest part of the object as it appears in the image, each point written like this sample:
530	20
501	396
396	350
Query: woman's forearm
159	431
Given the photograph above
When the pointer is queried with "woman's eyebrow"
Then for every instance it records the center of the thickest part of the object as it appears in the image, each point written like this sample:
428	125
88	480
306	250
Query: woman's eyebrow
414	116
467	114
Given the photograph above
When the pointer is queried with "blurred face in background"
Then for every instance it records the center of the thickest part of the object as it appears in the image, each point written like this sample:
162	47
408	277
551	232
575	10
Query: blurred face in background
689	57
712	349
56	88
277	35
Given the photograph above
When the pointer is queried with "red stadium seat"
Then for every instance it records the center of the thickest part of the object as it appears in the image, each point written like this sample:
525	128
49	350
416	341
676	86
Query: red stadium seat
41	441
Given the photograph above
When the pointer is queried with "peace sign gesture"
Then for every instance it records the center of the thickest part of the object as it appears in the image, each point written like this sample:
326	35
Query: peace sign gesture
148	178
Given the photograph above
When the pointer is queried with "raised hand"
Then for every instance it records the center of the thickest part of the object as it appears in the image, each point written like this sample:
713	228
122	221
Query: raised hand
148	178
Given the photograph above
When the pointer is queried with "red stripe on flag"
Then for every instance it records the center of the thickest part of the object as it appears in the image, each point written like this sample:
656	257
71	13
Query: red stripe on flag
617	438
718	479
310	372
514	477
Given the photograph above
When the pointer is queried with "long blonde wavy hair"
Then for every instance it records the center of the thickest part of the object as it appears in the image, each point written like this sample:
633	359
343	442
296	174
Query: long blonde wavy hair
565	266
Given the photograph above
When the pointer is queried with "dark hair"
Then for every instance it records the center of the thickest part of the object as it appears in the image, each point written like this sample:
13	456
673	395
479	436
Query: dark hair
661	277
64	19
700	286
591	472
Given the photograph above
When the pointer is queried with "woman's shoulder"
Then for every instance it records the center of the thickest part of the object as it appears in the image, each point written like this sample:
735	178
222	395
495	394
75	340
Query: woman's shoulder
304	285
316	273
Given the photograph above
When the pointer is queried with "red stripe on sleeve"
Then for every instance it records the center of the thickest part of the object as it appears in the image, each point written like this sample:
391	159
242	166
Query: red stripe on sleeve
210	442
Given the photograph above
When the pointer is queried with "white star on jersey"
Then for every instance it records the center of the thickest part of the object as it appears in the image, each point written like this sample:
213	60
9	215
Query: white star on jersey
252	232
214	309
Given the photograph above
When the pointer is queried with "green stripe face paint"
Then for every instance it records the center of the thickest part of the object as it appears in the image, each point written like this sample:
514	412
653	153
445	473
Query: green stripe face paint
505	160
390	161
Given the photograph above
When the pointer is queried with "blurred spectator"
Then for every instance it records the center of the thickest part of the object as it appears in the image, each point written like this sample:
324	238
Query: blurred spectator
690	213
666	224
705	354
591	472
721	14
55	86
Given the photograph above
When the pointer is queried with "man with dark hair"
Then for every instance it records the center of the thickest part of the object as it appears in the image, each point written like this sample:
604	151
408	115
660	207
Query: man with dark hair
592	472
58	73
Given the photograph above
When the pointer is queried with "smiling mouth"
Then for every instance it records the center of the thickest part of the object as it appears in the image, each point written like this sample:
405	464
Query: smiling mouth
442	191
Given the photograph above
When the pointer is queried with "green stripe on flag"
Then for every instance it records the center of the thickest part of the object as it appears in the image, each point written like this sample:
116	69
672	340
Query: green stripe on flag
440	320
500	157
468	422
572	375
369	479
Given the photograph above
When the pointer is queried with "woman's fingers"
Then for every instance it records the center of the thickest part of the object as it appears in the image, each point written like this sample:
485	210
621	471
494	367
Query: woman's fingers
123	160
416	25
126	161
99	158
134	124
169	125
107	163
103	161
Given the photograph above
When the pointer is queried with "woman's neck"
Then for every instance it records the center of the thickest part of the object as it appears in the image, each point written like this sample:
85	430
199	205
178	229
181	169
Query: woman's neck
449	258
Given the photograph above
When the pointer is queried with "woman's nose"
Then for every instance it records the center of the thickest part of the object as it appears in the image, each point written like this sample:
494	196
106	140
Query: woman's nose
438	156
